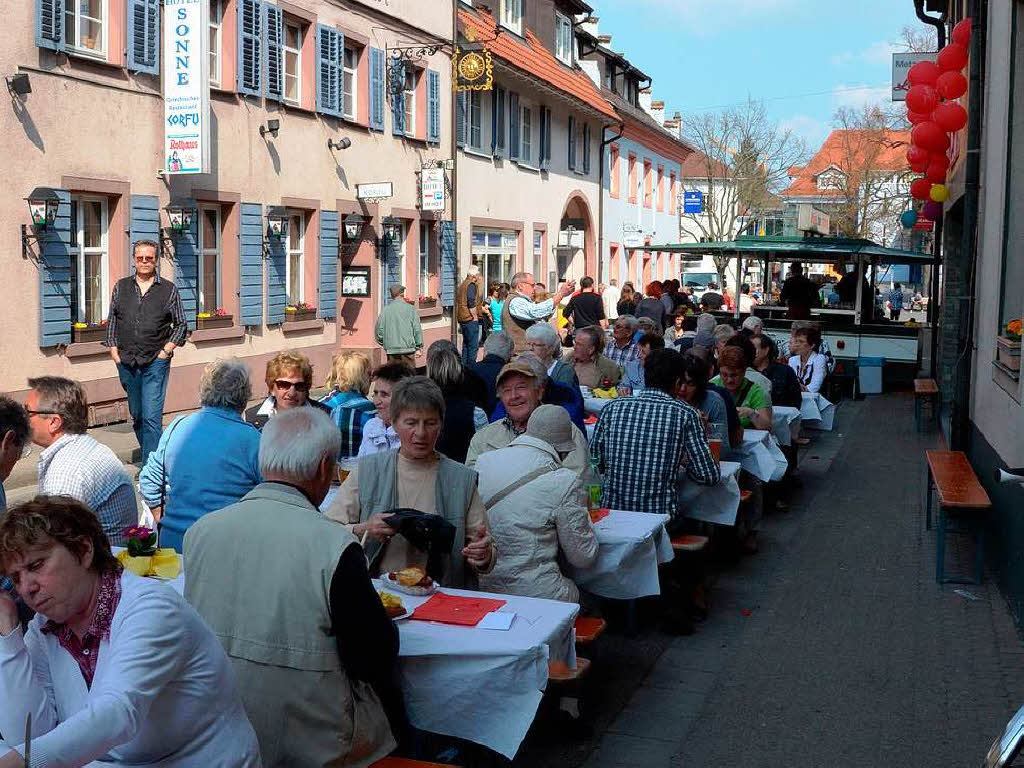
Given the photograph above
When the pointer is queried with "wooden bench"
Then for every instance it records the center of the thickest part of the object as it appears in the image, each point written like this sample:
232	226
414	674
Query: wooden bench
925	390
589	628
961	498
559	671
402	762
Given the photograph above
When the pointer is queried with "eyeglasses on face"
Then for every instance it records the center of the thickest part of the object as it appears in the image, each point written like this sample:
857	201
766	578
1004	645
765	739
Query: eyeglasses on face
145	259
41	413
283	385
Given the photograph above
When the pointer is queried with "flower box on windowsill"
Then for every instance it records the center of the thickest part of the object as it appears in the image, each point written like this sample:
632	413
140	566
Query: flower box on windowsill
1009	352
427	302
89	333
299	315
215	321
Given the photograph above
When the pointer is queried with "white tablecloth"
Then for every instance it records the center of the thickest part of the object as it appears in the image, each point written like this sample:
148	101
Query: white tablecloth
785	423
712	503
632	546
595	404
817	412
761	456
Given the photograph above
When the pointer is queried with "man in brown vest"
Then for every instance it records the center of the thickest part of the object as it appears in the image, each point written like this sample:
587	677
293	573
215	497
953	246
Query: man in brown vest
521	311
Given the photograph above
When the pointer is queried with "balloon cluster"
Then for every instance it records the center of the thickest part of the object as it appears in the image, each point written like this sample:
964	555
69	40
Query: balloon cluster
933	110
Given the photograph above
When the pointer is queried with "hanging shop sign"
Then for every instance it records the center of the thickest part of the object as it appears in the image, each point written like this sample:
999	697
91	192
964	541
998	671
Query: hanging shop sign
472	70
432	189
186	87
901	64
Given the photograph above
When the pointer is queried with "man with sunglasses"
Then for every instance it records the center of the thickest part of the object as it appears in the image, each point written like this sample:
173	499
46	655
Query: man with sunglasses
289	379
145	325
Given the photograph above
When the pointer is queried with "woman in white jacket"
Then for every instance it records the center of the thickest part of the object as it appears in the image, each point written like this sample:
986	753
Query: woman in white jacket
113	667
535	511
807	362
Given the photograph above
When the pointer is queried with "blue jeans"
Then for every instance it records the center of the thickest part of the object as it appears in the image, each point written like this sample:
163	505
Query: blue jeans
470	341
146	386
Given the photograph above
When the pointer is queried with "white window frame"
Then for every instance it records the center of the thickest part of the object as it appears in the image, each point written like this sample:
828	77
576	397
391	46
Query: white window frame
402	227
300	252
81	251
409	100
538	253
205	251
564	39
72	30
512	15
216	30
297	76
474	120
485	253
351	99
526	134
424	258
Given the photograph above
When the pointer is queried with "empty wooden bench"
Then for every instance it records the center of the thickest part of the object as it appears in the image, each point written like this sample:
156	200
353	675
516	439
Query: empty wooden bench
589	628
962	502
925	390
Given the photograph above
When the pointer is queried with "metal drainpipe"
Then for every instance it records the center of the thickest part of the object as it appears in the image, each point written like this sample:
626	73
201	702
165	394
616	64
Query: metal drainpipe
939	22
600	201
961	409
455	174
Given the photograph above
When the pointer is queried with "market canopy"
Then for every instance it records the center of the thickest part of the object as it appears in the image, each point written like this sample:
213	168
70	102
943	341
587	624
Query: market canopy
811	249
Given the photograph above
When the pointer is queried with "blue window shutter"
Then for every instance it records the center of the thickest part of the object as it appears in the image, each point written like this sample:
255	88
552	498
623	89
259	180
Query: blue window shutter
513	126
461	121
433	105
328	302
186	268
273	44
586	148
250	47
377	72
330	50
572	143
448	256
397	92
277	290
144	36
143	225
250	265
50	25
55	277
498	123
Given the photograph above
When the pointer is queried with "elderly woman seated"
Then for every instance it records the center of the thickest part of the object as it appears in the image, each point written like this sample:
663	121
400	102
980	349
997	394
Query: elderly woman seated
809	365
416	476
522	387
543	341
751	401
348	385
535	506
113	667
205	460
289	379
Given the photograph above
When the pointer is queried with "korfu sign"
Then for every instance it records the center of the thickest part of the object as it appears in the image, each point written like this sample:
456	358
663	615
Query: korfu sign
186	86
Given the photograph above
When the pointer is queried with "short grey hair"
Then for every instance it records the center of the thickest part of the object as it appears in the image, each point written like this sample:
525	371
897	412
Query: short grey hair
499	344
517	278
544	334
225	384
64	397
416	393
754	323
444	365
294	442
724	332
540	371
706	322
629	320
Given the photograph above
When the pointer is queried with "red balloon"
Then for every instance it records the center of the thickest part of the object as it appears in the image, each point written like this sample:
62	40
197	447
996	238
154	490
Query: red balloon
917	117
951	85
930	136
950	116
938	159
918	158
936	174
921	189
952	58
962	33
923	73
922	98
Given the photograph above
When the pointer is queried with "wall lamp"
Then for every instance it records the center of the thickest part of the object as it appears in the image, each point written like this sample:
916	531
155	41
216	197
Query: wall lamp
391	228
277	222
353	226
181	217
42	207
19	85
272	127
343	143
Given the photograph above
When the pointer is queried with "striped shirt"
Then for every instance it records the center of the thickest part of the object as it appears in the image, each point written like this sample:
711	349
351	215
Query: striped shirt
350	412
641	443
620	356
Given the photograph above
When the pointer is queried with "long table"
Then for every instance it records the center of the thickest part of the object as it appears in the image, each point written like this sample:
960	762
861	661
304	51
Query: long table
761	456
786	422
631	546
717	504
817	412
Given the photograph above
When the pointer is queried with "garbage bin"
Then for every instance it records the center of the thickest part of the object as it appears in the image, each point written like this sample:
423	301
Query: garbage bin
869	373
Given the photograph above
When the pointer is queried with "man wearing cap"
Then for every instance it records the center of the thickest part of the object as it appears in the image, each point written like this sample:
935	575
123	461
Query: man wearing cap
399	330
521	311
521	388
535	510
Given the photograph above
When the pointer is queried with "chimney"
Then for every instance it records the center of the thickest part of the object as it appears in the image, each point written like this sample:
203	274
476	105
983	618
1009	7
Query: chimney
645	101
605	40
657	111
589	26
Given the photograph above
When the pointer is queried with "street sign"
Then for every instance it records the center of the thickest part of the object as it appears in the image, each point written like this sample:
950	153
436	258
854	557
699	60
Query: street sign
901	64
693	202
432	189
379	190
186	87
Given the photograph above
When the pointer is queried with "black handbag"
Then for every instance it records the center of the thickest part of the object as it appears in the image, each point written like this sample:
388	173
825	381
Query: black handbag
428	533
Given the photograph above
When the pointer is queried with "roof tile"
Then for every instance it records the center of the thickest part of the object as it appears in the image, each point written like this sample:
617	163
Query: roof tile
849	150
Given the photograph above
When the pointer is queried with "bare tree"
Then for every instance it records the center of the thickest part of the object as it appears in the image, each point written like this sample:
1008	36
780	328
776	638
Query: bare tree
744	159
917	39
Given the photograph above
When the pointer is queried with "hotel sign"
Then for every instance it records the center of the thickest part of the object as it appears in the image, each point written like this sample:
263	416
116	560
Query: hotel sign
432	189
186	86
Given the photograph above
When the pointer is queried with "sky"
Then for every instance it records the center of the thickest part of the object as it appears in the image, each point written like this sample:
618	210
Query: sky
804	58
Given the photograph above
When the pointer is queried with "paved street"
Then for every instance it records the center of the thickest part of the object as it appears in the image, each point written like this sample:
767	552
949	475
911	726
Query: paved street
851	654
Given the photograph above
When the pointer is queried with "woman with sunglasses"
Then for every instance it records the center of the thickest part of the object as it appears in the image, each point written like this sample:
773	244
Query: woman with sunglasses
289	379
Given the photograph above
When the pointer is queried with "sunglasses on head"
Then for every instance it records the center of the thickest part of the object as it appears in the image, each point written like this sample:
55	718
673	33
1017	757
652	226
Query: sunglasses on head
300	386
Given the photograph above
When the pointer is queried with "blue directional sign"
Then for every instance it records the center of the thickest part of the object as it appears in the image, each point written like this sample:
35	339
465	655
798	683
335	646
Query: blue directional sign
693	202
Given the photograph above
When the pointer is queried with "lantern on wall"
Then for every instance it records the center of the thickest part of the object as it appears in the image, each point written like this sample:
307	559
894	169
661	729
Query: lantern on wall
277	222
180	217
42	207
353	226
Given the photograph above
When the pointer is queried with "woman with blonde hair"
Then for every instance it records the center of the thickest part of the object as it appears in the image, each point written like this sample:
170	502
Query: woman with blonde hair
349	383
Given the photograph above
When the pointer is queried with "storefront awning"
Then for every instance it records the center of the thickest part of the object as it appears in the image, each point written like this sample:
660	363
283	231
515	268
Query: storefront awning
809	249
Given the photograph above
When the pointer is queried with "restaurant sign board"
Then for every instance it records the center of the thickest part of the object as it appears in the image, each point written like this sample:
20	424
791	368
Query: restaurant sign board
186	88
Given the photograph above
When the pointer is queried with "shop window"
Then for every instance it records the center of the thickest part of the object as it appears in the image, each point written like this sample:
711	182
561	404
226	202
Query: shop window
1011	304
476	139
89	259
209	258
292	53
296	261
350	76
563	39
216	20
494	252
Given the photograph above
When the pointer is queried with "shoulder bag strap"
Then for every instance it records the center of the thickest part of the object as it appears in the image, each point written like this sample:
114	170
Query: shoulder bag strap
528	478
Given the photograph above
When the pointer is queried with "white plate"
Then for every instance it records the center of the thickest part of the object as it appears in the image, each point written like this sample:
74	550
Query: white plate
392	584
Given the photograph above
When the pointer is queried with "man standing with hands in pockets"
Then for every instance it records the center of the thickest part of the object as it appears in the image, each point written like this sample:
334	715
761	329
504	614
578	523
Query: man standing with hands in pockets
145	325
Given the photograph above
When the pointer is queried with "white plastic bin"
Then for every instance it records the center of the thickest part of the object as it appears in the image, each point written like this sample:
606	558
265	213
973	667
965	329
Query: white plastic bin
869	372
